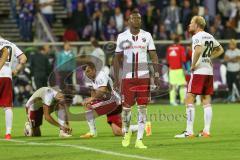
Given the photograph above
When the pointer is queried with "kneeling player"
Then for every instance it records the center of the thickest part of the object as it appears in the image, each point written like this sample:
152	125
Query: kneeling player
42	103
103	100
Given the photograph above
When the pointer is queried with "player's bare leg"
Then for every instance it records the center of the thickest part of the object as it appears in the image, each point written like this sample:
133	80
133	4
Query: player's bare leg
126	117
8	120
190	112
36	132
142	118
206	100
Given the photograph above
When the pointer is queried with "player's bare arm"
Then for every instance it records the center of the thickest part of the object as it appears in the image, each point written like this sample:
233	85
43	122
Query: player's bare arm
100	93
22	61
217	51
51	120
154	58
3	57
197	54
116	66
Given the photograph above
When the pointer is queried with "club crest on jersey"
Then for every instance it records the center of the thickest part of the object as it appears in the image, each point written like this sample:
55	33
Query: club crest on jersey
144	39
196	41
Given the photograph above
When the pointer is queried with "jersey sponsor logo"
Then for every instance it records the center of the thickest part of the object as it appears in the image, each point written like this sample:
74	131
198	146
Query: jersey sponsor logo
125	44
173	53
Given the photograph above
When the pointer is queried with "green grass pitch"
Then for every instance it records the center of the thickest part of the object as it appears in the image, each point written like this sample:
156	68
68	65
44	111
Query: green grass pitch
166	122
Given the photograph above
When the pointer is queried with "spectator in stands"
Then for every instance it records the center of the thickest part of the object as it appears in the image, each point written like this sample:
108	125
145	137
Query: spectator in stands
161	34
106	12
208	18
218	25
87	32
119	19
229	31
171	16
65	65
78	19
40	67
112	4
150	24
97	24
156	19
214	32
46	8
110	31
26	13
232	58
185	13
224	8
98	54
70	34
127	6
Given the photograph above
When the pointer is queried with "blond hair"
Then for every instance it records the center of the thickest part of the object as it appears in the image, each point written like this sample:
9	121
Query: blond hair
233	41
200	21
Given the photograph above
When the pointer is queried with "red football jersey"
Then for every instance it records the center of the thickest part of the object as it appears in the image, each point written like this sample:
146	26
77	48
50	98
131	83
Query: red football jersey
176	56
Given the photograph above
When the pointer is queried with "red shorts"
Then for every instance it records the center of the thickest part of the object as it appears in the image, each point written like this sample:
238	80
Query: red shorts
135	89
35	117
6	95
116	119
201	84
103	107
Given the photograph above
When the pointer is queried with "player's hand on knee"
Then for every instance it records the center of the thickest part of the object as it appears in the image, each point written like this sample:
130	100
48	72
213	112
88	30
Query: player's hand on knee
116	85
157	82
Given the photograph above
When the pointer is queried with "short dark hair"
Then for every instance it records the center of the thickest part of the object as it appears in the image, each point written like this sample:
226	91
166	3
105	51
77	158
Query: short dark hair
90	65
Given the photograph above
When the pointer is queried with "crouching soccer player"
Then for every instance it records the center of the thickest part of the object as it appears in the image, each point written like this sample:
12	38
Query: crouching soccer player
104	100
42	103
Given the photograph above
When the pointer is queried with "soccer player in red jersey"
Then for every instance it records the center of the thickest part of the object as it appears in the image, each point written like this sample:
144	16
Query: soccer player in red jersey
8	50
134	46
204	48
176	58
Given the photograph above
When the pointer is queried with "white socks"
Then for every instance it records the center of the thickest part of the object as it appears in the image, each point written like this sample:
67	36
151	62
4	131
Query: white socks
91	122
142	118
190	112
62	117
126	119
207	118
8	119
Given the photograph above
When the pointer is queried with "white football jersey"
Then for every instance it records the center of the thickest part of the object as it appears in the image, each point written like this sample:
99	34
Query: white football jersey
208	43
135	51
103	80
44	95
13	50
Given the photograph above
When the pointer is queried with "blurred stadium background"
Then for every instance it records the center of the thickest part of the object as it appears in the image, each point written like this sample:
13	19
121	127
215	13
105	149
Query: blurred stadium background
39	28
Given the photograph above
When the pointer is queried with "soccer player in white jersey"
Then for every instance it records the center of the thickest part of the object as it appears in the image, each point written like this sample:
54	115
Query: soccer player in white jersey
204	48
7	52
43	102
105	100
134	46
